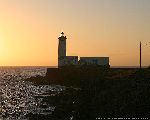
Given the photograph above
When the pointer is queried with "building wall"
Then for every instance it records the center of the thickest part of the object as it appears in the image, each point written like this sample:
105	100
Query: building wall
62	47
61	61
71	60
102	61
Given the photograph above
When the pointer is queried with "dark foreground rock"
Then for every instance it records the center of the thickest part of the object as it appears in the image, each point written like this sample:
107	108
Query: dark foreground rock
113	93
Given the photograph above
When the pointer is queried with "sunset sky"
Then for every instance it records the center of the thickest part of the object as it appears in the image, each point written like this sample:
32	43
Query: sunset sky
29	30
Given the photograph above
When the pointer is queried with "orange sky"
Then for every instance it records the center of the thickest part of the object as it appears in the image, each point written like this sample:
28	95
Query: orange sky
29	30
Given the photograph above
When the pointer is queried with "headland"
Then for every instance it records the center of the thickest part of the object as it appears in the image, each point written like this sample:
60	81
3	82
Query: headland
102	93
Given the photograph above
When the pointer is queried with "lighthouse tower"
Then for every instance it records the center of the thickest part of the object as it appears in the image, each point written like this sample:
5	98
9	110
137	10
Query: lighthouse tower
62	50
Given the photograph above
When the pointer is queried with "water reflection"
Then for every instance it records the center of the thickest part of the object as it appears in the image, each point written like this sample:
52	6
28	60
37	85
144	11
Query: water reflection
20	98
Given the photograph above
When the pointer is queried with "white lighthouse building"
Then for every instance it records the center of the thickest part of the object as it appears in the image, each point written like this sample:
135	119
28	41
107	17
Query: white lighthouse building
64	60
61	50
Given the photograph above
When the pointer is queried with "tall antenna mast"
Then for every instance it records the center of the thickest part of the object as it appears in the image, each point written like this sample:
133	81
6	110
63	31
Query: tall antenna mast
140	55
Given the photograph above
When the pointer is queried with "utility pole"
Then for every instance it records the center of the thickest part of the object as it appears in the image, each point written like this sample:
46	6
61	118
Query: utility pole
140	55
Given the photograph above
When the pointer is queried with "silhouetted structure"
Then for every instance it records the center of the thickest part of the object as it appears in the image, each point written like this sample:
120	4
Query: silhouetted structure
61	49
97	61
64	60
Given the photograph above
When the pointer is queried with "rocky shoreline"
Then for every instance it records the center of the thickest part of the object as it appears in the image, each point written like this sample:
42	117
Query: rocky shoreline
100	94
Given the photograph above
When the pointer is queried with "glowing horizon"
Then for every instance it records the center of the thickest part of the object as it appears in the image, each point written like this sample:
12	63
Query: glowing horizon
29	31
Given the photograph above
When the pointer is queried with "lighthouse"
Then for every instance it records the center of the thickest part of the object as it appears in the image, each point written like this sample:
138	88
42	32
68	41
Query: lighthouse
61	50
65	61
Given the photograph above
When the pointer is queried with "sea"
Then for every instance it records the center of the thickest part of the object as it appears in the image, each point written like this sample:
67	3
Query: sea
19	98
